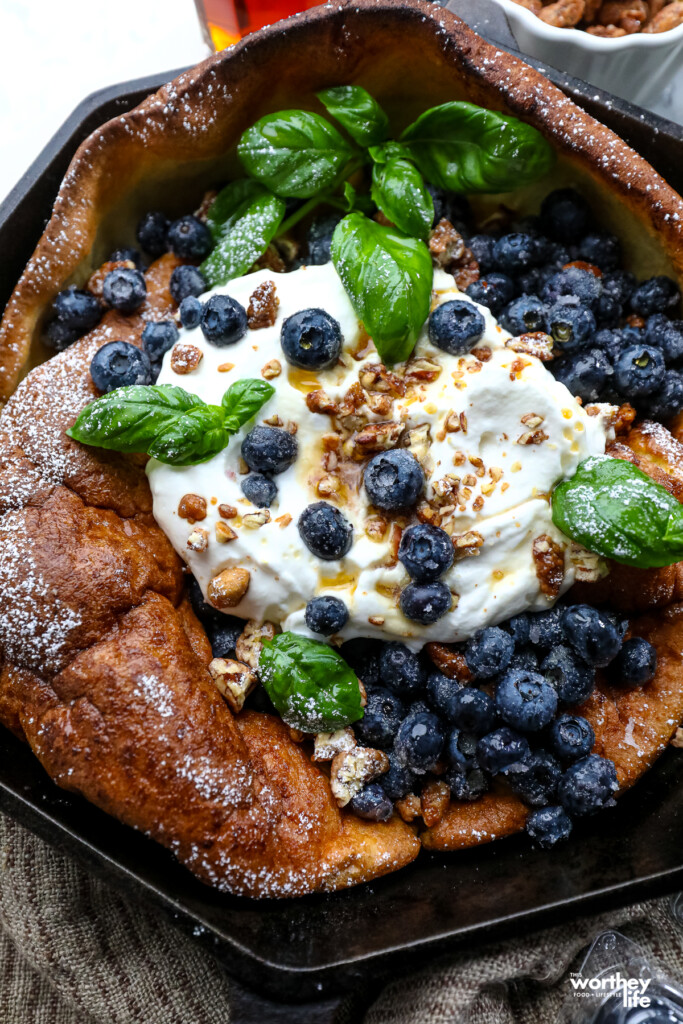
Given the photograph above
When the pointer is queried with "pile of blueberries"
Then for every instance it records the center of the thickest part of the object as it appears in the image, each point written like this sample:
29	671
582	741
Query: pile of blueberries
512	720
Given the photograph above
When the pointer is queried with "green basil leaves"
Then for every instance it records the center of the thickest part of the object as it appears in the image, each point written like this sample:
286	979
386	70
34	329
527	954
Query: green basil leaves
464	148
388	277
243	219
168	423
309	683
400	192
358	112
613	508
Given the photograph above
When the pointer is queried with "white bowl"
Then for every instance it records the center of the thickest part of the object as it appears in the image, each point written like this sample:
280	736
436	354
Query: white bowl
637	67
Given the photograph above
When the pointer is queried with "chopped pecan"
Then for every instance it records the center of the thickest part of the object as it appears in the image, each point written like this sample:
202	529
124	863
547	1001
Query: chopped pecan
376	437
606	31
422	370
352	769
434	800
418	440
320	401
224	533
427	514
483	353
535	343
192	507
185	358
376	377
233	680
198	539
449	661
255	520
381	405
446	490
227	511
626	14
272	369
467	544
549	562
563	13
263	306
532	437
271	260
329	485
668	18
588	567
532	420
227	589
376	527
250	641
445	244
468	271
409	807
327	745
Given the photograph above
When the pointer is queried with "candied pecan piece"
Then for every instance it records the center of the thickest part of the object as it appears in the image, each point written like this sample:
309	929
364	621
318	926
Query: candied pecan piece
445	243
605	31
233	680
185	358
534	343
352	769
263	306
434	800
449	661
626	14
549	561
376	377
669	17
563	13
320	401
192	507
376	437
227	589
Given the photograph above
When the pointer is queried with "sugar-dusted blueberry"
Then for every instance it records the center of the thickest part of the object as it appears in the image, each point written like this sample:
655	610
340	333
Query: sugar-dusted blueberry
325	531
592	634
326	615
456	326
667	335
516	252
620	284
573	283
635	664
190	311
319	239
607	311
482	248
656	295
545	628
426	552
587	785
488	652
189	238
372	803
585	374
549	826
524	657
565	215
269	450
151	233
187	280
571	326
393	480
419	741
526	700
518	628
571	737
473	711
467	786
601	250
639	371
442	693
224	635
311	339
73	313
382	716
527	313
259	489
461	750
401	669
611	341
668	401
399	780
425	602
224	320
363	654
158	337
573	679
501	748
118	364
494	291
535	778
450	206
418	706
124	289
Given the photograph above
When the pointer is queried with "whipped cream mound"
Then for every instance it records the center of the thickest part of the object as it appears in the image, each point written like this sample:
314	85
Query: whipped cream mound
493	430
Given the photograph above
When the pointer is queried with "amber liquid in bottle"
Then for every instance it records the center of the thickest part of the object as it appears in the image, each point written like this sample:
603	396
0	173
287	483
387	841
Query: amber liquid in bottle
226	21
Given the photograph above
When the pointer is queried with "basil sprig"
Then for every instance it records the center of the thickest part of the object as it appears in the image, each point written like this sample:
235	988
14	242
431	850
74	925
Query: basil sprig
167	422
309	683
358	112
613	508
243	219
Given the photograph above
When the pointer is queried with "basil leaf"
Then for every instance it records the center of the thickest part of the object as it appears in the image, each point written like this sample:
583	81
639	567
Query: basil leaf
388	278
294	153
309	683
388	151
244	398
399	190
194	437
613	508
127	419
357	111
465	148
243	219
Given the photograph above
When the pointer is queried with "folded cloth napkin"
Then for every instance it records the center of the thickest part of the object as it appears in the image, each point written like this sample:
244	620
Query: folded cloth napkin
75	951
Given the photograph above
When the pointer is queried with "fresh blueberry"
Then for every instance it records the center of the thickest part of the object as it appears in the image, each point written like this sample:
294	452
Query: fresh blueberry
570	326
607	311
635	664
611	342
118	364
473	711
488	652
187	280
527	313
455	326
73	313
545	628
419	706
657	295
190	311
425	602
494	291
601	250
319	239
565	215
126	254
393	480
573	679
401	669
372	803
158	337
326	615
461	750
571	737
526	700
224	320
125	290
500	749
224	636
151	233
573	283
587	785
548	826
381	719
442	693
620	622
467	785
189	238
269	449
535	778
259	489
668	401
620	284
363	655
667	335
482	248
419	741
426	552
518	628
639	371
311	339
632	335
585	374
399	780
516	253
524	657
591	633
450	206
325	531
